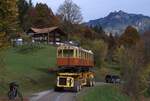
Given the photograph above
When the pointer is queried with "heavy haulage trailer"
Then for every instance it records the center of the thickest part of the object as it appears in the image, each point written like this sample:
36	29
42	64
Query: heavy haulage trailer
75	66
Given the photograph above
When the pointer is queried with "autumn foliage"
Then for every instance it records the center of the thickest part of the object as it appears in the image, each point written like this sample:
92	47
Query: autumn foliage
129	37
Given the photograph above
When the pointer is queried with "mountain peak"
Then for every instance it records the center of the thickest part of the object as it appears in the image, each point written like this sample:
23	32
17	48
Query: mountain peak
119	13
117	21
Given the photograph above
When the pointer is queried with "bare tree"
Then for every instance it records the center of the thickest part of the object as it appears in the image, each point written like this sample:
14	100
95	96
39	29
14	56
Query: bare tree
70	12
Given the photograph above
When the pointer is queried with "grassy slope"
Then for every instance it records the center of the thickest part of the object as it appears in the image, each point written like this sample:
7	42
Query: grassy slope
29	70
103	93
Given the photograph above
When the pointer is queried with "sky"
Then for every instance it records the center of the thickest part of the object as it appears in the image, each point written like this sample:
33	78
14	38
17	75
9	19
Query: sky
94	9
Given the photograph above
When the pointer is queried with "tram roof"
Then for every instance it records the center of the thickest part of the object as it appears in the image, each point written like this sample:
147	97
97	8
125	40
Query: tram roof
66	46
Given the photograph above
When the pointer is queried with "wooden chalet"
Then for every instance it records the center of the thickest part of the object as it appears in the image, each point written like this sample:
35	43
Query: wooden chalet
51	35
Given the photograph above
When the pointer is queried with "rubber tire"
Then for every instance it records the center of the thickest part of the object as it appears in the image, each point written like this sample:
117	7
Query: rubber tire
77	86
11	95
57	89
89	82
93	82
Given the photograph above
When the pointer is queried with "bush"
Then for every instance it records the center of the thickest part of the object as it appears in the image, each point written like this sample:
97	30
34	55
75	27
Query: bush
29	48
99	48
147	92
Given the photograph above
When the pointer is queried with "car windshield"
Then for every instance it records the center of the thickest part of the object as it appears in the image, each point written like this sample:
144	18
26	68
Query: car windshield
115	76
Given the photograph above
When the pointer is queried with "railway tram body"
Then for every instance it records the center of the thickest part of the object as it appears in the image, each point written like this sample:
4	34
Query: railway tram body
74	68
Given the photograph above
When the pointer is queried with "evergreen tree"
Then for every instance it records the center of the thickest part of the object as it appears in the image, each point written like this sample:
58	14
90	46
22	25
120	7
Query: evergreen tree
44	16
30	3
98	29
40	16
23	7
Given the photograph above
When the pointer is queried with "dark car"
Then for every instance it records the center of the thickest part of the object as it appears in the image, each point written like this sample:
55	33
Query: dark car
112	79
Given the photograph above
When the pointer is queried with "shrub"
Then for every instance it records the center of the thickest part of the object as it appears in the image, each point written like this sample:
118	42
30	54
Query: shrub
29	48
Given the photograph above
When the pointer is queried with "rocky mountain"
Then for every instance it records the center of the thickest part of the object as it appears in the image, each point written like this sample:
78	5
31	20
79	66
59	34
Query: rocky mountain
116	22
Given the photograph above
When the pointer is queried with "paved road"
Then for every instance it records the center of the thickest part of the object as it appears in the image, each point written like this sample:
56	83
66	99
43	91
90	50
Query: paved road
51	95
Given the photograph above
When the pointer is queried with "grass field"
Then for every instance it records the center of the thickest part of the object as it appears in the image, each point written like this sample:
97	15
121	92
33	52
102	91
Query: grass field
103	93
29	69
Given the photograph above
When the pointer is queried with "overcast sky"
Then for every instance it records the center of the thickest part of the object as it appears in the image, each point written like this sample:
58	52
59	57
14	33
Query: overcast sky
94	9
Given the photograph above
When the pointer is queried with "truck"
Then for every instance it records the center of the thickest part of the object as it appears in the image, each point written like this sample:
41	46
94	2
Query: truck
75	68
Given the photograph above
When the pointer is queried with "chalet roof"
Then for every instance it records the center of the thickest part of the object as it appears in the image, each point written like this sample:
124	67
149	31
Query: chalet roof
45	30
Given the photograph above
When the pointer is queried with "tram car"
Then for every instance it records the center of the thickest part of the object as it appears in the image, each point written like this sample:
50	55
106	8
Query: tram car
72	56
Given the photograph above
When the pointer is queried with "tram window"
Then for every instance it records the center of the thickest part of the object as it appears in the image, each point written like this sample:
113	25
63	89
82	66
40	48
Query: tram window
83	55
75	53
88	56
68	52
79	53
92	57
59	53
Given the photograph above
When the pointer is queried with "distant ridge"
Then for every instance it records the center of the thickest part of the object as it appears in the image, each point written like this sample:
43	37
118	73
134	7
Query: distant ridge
117	21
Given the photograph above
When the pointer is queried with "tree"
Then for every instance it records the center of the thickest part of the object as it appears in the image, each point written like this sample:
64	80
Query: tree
29	18
146	40
30	3
3	40
70	12
99	47
41	16
44	16
112	44
8	28
134	70
23	7
9	17
98	29
130	37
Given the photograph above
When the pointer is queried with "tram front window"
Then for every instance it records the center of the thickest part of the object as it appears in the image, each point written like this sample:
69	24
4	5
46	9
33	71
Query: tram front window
68	53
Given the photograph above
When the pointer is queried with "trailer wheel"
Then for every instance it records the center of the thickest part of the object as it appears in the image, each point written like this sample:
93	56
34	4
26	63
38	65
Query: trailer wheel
77	86
93	82
90	82
57	89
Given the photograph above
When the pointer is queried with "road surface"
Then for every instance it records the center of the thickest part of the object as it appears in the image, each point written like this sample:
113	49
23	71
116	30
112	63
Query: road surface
51	95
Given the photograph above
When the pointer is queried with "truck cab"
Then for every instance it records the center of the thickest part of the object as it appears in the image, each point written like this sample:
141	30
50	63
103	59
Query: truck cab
74	79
